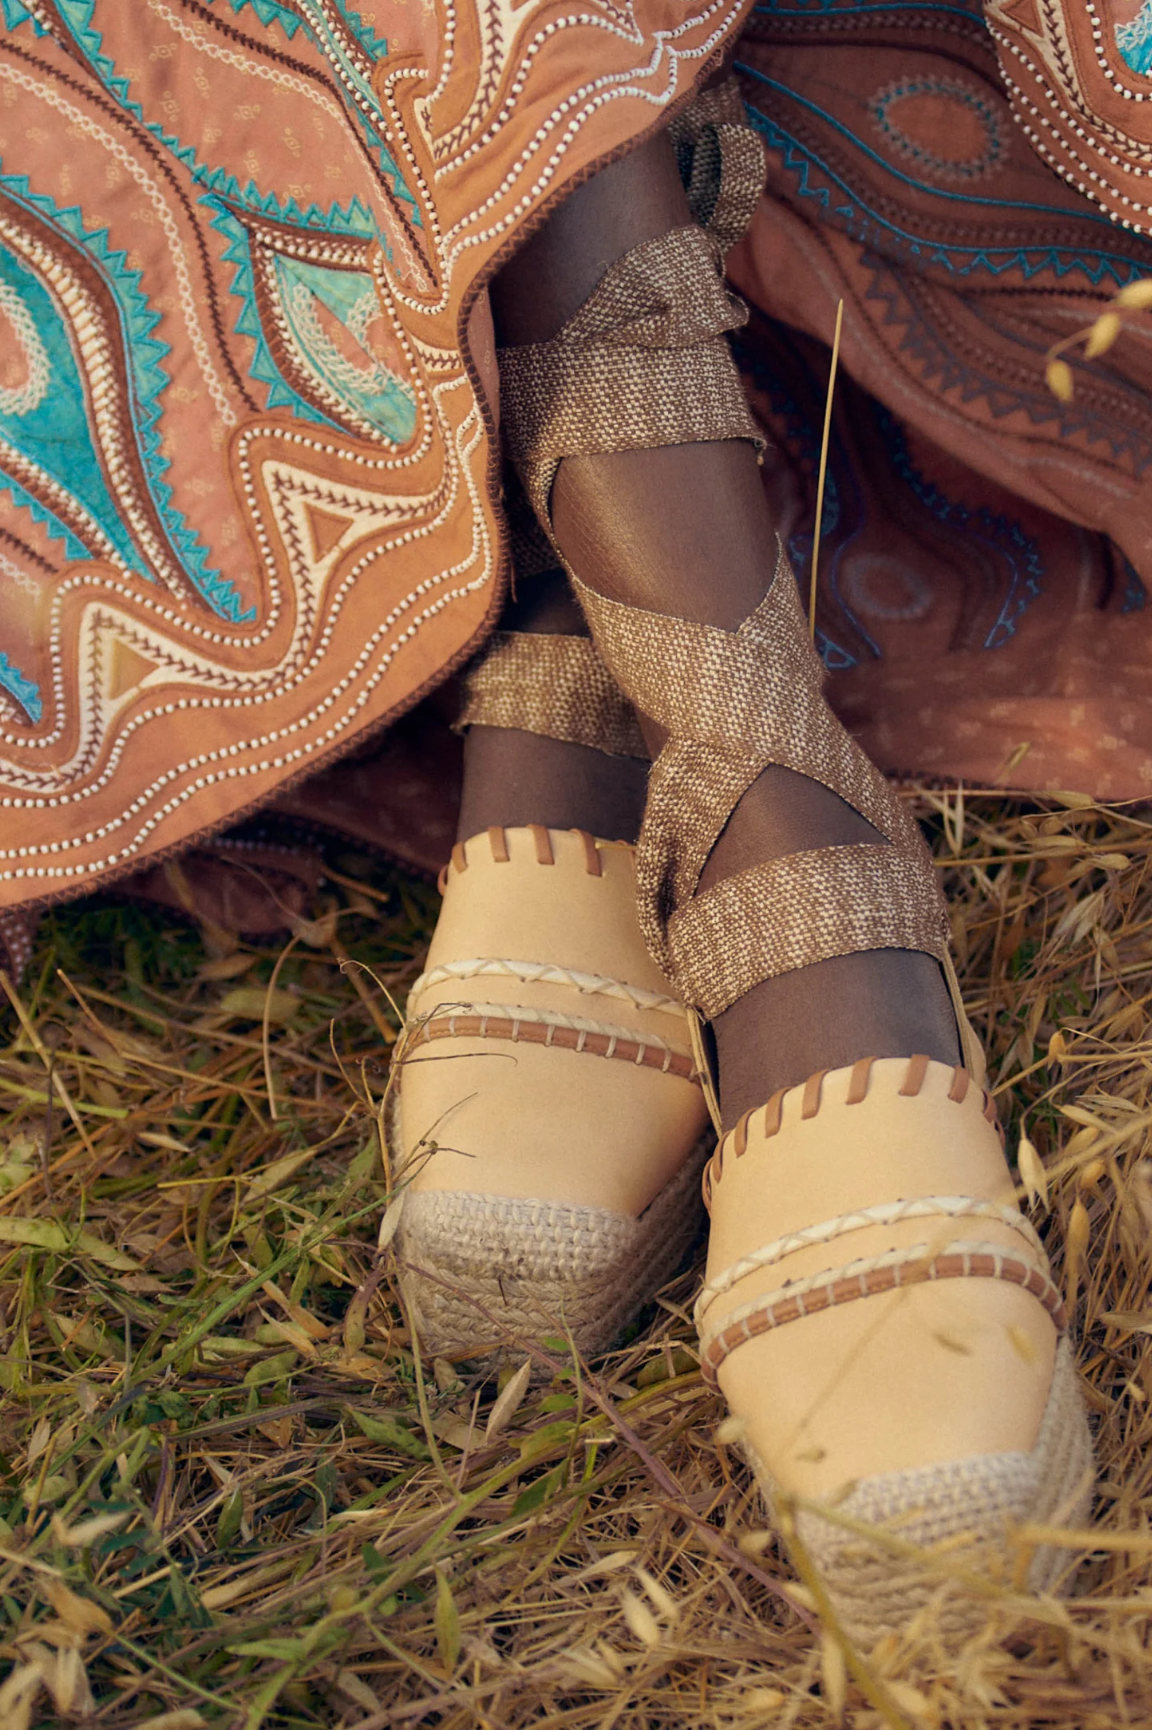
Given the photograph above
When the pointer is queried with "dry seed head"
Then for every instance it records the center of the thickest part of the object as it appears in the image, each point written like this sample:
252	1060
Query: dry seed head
641	1622
1058	375
1136	294
833	1673
1032	1173
1140	1189
753	1543
1091	1173
1076	1242
663	1600
1102	335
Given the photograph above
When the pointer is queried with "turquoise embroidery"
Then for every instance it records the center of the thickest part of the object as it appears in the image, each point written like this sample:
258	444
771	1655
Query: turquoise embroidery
931	163
369	389
371	392
15	13
56	435
1134	40
77	14
274	12
25	691
815	179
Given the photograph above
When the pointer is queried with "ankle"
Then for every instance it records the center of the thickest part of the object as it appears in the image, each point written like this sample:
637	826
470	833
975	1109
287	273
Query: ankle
514	778
876	1003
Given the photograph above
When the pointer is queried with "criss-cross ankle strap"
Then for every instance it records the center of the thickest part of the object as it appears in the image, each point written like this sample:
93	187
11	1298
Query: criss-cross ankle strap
553	685
721	160
641	364
734	702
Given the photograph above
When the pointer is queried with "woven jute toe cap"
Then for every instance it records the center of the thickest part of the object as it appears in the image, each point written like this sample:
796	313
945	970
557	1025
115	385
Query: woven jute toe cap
486	1275
960	1516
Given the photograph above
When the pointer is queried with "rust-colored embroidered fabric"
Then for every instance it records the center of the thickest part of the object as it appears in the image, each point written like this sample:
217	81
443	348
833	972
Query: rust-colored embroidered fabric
554	685
248	473
249	501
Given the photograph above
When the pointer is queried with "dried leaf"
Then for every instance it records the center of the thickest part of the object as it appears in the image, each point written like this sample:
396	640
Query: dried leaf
226	966
446	1620
358	1690
1059	378
47	1234
391	1220
253	1002
507	1402
270	1177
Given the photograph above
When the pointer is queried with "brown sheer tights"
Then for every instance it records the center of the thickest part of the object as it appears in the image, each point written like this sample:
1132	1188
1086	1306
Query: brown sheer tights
685	530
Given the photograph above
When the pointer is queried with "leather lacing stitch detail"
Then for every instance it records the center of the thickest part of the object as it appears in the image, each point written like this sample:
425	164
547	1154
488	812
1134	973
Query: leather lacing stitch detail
858	1082
867	1276
497	837
540	1027
872	1276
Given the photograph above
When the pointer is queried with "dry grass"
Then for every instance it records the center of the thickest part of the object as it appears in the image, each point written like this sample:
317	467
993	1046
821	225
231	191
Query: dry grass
232	1495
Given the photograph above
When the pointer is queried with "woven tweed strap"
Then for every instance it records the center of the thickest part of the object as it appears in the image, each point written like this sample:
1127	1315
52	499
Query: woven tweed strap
553	685
642	363
721	160
734	702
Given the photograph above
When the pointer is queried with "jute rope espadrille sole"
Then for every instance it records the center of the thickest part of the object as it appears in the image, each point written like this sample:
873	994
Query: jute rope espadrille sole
549	1125
922	1389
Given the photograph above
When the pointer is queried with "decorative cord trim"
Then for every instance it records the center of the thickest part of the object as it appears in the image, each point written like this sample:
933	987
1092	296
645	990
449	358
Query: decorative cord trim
871	1277
550	973
882	1213
569	1033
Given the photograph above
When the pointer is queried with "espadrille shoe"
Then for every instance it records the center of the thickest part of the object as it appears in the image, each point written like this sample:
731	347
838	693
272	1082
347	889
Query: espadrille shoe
952	1402
896	1357
549	1123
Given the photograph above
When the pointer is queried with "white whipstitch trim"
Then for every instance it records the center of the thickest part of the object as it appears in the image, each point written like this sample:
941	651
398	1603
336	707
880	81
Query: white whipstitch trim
516	1014
860	1269
883	1213
549	973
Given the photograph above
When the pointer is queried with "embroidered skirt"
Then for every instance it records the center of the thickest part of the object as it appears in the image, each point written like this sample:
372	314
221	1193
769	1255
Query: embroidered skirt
249	454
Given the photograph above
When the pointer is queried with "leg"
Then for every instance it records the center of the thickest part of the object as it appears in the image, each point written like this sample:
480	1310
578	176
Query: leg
513	777
685	530
919	1395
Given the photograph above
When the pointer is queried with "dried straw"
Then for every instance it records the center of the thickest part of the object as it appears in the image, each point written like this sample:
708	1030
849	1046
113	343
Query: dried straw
232	1494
